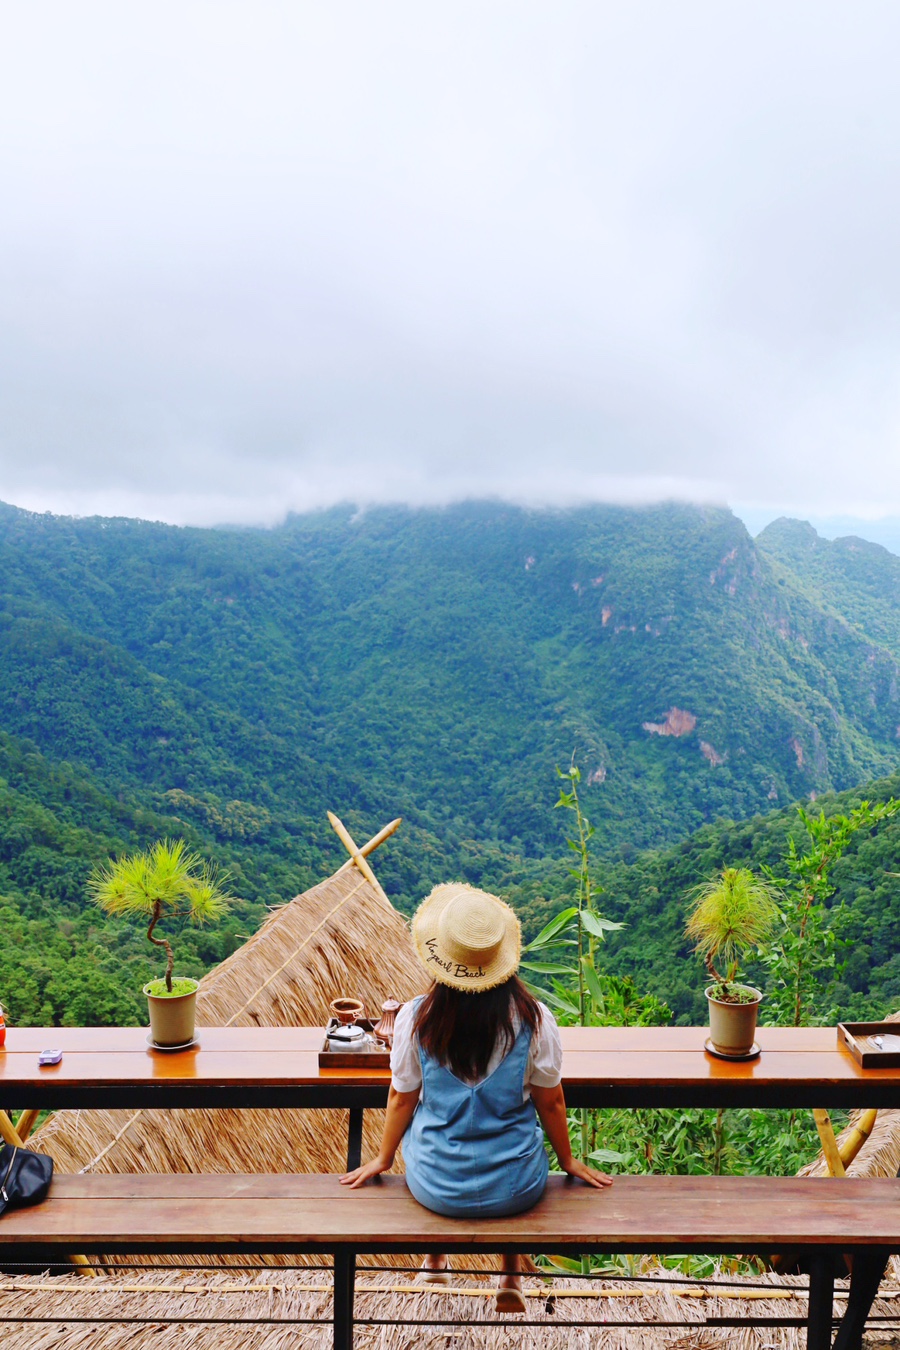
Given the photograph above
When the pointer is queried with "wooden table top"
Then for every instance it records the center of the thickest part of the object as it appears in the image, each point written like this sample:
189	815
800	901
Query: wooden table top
278	1066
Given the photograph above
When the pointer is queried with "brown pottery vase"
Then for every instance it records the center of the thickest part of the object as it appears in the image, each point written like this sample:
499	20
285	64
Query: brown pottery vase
384	1027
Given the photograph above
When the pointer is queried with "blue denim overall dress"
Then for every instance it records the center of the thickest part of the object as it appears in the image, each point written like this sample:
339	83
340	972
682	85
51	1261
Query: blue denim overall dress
476	1152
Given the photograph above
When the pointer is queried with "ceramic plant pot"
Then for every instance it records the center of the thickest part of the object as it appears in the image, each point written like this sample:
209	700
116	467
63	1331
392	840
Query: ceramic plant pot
172	1016
732	1026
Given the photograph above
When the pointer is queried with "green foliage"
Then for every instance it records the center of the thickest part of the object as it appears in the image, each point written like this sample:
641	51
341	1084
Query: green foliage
467	648
728	918
163	879
576	930
646	891
579	993
805	948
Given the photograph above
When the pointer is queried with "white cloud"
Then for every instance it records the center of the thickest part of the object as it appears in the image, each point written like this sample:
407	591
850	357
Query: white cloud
262	257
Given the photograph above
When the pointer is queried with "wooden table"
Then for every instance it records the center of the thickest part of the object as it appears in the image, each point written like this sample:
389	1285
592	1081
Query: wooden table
278	1067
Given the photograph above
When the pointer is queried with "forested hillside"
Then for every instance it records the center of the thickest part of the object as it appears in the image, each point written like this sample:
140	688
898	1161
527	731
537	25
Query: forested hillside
231	685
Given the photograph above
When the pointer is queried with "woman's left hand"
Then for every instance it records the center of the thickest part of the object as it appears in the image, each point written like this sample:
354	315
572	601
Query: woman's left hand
576	1168
360	1175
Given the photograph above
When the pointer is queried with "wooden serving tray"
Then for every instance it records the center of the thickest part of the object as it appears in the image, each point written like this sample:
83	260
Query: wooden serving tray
352	1059
854	1036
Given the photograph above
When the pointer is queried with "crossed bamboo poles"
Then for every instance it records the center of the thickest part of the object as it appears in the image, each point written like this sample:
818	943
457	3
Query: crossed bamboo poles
15	1135
839	1157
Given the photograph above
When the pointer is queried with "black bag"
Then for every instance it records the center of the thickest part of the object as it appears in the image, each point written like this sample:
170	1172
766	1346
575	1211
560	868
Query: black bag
24	1177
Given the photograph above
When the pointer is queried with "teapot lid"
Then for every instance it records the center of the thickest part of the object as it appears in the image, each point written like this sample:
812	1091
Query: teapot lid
348	1034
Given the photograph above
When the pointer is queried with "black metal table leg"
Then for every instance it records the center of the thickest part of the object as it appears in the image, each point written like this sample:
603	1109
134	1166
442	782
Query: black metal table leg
344	1289
868	1269
354	1138
821	1301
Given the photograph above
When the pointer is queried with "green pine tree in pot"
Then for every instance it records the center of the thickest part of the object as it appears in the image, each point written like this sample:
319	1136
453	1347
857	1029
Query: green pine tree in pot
729	917
165	881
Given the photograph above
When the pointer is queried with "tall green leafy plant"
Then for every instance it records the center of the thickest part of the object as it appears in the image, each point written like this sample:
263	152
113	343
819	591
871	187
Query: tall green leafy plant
804	947
571	938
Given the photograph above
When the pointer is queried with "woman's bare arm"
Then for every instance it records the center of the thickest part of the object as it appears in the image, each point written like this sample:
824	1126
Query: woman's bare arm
550	1104
400	1109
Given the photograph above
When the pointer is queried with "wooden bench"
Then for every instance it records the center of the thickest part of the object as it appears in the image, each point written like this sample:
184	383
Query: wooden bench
185	1214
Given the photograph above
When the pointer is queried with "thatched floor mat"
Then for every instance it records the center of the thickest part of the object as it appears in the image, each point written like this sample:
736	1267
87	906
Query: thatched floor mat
284	1296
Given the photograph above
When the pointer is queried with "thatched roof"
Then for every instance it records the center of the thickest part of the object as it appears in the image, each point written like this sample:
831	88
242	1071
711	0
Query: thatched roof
286	974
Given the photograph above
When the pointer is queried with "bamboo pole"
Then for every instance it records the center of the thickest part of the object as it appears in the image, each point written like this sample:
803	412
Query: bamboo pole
349	843
483	1291
375	842
830	1152
8	1131
25	1124
858	1136
83	1265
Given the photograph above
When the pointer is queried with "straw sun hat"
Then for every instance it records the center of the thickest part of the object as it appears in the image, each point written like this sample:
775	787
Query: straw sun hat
467	938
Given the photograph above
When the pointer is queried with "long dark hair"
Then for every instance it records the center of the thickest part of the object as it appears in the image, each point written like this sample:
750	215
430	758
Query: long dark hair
460	1030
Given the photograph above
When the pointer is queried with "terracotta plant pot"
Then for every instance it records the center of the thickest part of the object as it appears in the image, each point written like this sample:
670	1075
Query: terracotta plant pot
172	1016
732	1026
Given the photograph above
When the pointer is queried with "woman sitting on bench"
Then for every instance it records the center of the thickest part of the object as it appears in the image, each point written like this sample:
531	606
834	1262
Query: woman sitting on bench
474	1063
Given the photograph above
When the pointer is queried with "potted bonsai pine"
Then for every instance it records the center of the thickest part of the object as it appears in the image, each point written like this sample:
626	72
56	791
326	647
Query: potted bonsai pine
164	882
729	917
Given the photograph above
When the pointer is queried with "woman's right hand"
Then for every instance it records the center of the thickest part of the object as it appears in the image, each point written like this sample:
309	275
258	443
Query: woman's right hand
360	1175
550	1104
576	1168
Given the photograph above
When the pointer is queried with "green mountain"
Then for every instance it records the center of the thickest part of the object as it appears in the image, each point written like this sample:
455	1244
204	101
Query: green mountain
859	581
231	685
442	662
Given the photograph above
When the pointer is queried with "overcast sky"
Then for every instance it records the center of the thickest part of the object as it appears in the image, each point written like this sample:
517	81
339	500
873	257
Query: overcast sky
265	256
